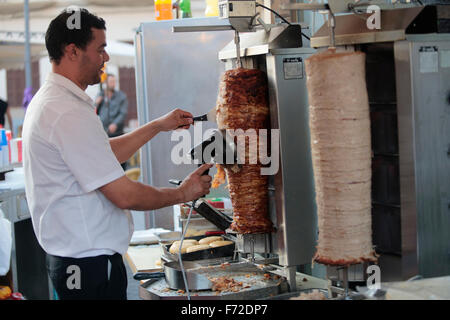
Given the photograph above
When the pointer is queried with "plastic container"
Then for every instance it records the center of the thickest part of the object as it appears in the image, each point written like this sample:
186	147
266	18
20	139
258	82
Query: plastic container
163	10
5	147
16	150
9	137
212	8
185	7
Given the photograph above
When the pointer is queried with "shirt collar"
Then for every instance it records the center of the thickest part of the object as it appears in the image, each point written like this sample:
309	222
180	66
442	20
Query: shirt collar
71	86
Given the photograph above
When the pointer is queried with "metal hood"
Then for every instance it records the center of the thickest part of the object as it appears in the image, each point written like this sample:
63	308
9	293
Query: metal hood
352	28
260	41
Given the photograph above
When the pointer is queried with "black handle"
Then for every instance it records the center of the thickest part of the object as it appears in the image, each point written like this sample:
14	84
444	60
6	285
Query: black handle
201	118
219	219
175	182
148	275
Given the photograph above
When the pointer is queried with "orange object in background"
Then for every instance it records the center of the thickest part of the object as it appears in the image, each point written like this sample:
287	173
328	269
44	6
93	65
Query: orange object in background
104	74
163	10
5	292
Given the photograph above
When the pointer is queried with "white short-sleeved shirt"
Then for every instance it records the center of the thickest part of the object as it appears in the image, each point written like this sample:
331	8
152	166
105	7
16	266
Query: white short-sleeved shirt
67	157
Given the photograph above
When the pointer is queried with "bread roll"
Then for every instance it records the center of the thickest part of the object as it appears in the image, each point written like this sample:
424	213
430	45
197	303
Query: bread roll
339	123
221	243
208	240
193	241
175	247
197	248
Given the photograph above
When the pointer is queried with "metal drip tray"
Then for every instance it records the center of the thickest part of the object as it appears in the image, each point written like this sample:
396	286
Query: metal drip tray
256	284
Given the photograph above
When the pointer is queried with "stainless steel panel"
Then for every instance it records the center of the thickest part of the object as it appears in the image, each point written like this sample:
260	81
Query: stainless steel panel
174	70
424	133
294	184
406	158
432	139
142	113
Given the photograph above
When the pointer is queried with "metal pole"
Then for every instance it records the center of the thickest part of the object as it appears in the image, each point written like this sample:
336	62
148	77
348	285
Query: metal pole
28	79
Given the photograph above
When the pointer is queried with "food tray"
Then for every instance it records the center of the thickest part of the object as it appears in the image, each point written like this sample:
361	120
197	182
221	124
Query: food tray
256	284
211	253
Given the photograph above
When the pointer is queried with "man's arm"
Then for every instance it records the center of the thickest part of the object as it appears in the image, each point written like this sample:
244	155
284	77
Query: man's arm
126	145
128	194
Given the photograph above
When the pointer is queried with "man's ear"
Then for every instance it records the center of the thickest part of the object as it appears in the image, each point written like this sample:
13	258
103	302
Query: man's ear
72	52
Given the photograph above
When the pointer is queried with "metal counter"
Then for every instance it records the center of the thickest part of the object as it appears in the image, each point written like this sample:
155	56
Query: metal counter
29	273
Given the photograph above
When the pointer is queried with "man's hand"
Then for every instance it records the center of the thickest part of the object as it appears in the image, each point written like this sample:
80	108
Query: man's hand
176	119
112	128
196	184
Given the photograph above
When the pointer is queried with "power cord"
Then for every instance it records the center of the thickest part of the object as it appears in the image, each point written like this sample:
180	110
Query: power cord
279	16
274	12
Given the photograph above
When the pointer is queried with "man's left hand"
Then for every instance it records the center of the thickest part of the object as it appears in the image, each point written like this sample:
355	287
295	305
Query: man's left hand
176	119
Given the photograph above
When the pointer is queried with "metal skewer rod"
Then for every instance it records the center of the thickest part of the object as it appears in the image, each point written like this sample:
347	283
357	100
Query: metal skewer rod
332	26
238	49
345	281
252	248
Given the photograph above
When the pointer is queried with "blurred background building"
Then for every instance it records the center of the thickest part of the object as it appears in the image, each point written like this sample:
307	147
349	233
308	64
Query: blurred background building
122	19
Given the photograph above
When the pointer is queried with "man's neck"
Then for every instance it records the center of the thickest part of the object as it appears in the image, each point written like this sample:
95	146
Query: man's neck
69	75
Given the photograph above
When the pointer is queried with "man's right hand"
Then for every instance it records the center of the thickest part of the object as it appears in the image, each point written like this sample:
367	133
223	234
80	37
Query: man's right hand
196	184
176	119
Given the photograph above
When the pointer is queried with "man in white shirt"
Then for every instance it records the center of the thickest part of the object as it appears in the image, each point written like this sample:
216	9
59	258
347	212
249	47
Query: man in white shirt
75	186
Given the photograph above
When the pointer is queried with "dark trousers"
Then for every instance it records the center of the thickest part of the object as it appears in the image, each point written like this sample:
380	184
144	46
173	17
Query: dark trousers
93	278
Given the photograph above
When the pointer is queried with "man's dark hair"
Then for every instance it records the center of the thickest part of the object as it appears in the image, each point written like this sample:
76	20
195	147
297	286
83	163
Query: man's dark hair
62	31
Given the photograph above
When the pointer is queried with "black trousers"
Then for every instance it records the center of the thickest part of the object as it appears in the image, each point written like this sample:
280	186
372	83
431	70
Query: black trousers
102	277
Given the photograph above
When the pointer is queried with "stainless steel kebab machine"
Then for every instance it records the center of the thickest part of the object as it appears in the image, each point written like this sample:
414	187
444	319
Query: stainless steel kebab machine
277	50
407	76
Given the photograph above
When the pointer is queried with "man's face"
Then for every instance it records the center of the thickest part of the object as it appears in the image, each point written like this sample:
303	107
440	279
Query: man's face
94	57
111	82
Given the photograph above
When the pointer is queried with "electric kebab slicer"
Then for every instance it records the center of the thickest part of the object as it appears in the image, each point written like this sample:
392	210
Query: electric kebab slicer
218	147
